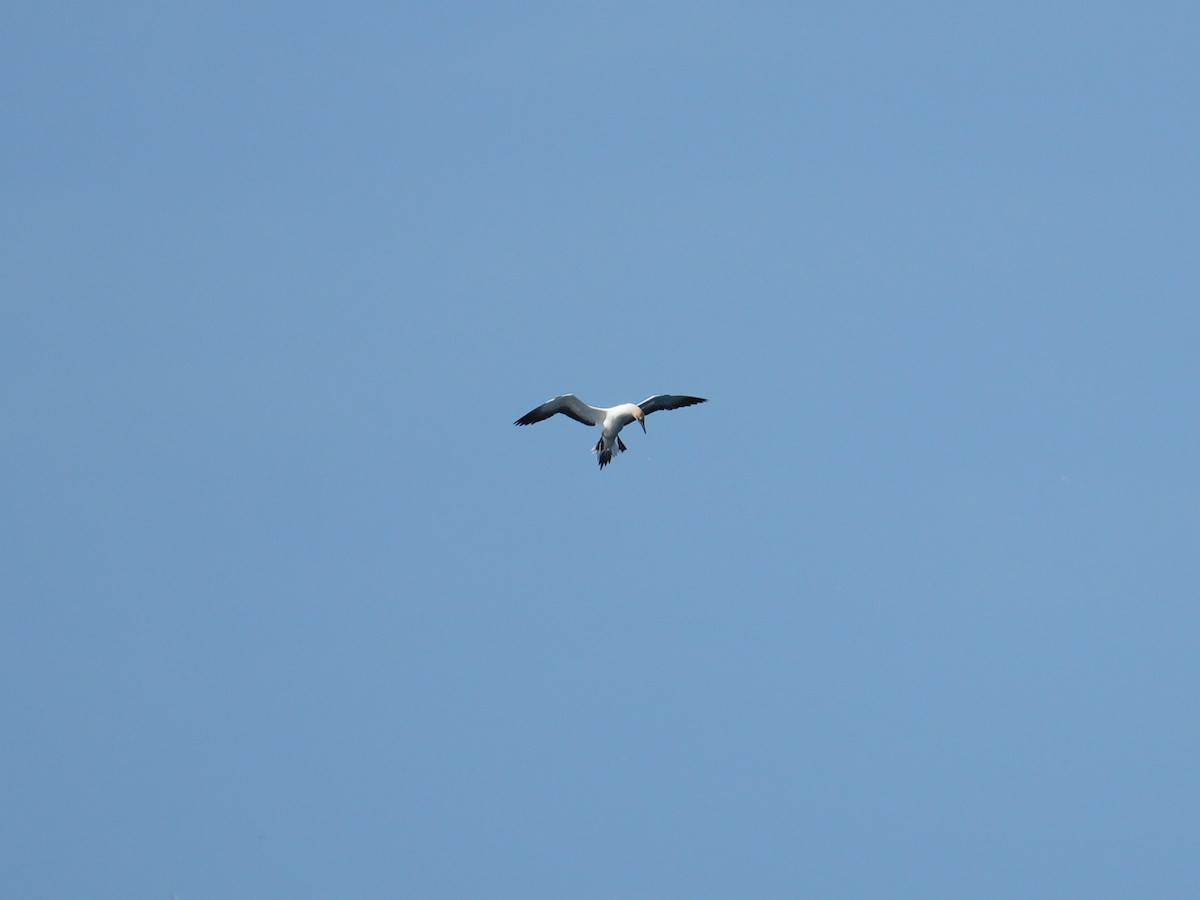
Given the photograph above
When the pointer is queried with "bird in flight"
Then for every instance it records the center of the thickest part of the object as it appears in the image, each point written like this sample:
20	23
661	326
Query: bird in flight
614	418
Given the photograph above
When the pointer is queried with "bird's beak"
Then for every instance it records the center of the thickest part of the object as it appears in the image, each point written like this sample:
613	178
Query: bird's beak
643	421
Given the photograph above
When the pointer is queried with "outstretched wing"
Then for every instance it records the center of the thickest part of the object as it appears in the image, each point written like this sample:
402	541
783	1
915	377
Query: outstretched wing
668	401
568	405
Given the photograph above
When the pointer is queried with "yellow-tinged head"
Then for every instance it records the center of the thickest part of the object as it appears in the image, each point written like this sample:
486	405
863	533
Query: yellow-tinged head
640	416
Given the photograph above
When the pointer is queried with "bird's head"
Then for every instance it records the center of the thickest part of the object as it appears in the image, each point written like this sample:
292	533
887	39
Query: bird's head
641	417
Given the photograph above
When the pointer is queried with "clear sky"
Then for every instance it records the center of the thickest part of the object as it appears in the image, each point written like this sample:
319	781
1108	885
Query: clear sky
291	609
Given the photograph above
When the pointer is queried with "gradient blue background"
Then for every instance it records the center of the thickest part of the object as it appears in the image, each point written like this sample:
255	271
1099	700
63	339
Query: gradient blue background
291	609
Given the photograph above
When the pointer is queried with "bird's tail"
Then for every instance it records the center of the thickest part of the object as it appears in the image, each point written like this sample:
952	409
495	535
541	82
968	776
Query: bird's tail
606	452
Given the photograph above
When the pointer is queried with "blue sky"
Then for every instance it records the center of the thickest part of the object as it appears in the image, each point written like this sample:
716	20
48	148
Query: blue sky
909	608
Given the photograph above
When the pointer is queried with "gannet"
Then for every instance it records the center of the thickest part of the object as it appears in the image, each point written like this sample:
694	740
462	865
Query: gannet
614	418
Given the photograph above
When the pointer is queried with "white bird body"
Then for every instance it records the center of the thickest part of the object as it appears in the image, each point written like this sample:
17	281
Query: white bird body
612	418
